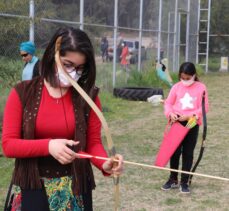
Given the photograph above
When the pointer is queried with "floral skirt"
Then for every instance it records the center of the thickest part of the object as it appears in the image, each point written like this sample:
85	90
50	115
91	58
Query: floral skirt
59	194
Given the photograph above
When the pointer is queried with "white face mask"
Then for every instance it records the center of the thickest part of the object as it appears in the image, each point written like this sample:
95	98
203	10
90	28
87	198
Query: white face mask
74	75
188	82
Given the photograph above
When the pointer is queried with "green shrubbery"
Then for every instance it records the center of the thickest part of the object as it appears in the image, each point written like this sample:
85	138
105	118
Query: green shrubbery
10	72
214	64
148	77
200	69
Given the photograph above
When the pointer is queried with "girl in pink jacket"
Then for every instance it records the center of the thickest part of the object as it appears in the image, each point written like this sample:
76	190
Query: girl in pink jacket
185	101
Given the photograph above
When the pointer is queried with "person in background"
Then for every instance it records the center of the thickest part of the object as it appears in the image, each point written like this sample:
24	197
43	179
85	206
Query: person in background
46	122
125	61
104	49
183	102
31	68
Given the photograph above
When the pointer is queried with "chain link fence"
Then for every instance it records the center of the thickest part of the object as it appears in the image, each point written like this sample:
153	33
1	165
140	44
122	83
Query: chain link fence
219	35
160	28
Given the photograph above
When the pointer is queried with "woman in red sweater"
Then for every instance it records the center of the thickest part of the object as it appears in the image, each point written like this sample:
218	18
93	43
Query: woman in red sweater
46	122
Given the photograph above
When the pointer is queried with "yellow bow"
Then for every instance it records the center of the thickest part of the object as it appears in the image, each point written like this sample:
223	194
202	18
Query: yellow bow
91	103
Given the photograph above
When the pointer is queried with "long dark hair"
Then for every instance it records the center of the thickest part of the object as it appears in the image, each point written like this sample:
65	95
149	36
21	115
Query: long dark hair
74	40
189	69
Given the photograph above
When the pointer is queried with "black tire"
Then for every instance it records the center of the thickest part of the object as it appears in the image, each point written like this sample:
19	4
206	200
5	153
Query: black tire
136	93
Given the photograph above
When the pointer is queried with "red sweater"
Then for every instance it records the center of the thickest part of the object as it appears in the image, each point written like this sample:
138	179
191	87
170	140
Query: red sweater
55	119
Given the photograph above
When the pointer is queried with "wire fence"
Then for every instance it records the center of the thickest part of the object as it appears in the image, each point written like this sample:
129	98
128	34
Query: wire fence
163	28
168	29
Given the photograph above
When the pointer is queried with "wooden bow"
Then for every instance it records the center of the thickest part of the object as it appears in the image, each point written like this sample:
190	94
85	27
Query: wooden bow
111	148
203	138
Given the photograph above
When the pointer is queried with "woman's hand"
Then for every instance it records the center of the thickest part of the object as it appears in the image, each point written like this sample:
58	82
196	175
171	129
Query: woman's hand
183	118
113	167
173	117
59	149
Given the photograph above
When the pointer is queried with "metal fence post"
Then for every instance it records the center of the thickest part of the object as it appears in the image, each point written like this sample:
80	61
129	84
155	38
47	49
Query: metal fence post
140	36
115	41
178	40
198	36
175	36
187	32
208	34
82	14
159	32
168	37
31	20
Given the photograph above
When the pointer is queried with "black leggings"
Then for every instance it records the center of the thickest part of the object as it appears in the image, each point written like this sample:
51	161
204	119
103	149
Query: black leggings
186	148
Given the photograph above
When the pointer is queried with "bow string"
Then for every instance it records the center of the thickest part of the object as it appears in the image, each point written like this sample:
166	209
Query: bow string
110	144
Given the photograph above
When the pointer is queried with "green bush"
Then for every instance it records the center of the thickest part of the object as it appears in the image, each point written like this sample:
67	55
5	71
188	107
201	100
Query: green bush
200	70
145	79
10	72
214	64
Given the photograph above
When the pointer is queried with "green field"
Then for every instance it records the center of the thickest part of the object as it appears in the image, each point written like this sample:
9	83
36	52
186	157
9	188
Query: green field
137	129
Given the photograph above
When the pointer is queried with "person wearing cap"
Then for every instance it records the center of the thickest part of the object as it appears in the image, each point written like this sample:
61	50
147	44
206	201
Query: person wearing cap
31	68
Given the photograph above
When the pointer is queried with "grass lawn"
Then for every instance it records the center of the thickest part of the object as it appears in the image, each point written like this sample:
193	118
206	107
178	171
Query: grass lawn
137	130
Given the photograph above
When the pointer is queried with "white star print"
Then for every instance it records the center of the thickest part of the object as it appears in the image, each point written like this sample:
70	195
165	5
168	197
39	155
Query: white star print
187	101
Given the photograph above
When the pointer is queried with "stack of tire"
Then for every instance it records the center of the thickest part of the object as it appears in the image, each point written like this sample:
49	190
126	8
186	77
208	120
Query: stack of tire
137	93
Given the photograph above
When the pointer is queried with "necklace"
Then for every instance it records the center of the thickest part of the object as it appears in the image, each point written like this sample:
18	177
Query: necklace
55	93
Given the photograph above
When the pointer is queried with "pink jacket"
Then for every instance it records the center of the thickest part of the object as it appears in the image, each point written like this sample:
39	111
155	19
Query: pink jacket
186	100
